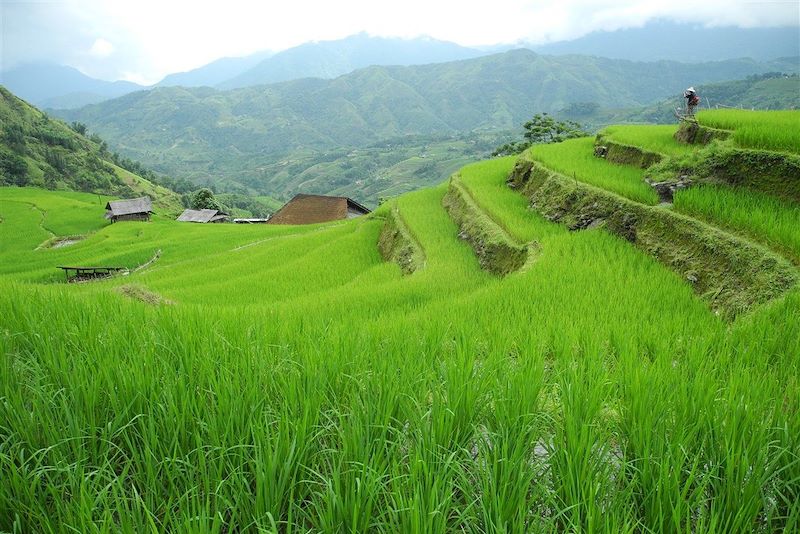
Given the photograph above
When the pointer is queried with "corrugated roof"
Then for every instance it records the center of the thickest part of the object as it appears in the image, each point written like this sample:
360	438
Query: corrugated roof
310	209
201	216
126	207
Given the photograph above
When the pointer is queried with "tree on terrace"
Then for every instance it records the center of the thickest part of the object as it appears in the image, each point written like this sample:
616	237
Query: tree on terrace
541	129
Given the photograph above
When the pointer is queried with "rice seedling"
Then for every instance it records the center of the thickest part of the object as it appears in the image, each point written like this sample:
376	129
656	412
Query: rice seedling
654	138
575	159
765	218
769	130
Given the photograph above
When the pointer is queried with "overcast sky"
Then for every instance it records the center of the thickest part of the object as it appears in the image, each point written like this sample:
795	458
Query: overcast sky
144	40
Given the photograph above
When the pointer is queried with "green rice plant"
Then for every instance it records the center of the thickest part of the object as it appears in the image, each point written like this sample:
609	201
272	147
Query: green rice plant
486	183
763	217
580	456
505	471
298	383
769	130
661	441
654	138
575	159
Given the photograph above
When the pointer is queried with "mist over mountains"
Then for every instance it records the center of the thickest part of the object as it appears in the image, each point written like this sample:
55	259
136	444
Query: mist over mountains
57	86
682	42
329	59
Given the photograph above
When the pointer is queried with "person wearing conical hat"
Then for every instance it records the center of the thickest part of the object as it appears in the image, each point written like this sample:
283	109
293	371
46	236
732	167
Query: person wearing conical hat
691	100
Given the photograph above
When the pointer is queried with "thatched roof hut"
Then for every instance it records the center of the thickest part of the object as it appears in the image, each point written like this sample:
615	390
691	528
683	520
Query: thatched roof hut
135	209
203	216
310	209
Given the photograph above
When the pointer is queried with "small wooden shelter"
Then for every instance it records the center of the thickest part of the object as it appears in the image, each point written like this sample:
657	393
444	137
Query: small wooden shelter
135	209
310	209
82	274
203	216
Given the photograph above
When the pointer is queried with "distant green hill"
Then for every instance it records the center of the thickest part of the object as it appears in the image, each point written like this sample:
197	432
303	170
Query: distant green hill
769	91
37	150
235	138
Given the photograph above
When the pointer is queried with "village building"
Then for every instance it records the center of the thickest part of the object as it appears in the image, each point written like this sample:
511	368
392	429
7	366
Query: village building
135	209
310	209
203	216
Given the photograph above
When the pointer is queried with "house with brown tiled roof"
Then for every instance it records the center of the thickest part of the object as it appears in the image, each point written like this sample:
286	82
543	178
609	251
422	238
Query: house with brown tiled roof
310	209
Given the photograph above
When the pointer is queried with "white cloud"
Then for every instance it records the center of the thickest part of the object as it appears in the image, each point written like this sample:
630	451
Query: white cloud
154	37
101	48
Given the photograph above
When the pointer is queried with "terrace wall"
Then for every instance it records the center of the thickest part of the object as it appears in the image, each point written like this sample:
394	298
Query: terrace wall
732	274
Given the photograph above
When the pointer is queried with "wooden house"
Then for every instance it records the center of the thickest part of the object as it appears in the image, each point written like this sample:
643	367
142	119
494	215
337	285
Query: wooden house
203	216
310	209
135	209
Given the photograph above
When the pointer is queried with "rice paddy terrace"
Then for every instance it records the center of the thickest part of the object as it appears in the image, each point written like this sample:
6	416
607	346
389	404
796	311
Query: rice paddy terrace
558	342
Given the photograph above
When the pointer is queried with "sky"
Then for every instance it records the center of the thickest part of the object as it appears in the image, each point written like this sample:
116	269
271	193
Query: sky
144	40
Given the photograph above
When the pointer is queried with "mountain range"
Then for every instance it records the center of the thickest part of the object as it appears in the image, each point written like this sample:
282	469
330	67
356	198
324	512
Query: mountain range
329	59
234	136
58	86
682	42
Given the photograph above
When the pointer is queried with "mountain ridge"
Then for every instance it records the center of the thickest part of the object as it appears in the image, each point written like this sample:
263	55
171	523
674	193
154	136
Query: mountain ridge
236	137
40	83
329	59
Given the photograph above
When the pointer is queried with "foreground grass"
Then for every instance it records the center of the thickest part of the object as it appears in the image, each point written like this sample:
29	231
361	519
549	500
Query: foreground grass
301	384
769	130
575	159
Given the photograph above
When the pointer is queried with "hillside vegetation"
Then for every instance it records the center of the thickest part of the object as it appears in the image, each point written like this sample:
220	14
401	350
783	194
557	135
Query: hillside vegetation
288	379
235	139
36	150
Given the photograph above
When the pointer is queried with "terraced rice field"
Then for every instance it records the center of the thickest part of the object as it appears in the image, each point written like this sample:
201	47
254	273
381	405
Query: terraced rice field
654	138
767	219
575	159
287	379
769	130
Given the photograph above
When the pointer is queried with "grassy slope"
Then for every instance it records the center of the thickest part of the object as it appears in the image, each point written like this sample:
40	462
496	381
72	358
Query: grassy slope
57	157
165	200
770	219
309	384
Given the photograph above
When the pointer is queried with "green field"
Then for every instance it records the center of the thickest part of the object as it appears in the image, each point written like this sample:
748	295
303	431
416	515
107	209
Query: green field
767	219
575	159
653	138
260	378
769	130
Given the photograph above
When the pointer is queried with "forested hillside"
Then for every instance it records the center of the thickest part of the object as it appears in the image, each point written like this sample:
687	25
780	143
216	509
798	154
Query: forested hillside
37	150
236	137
